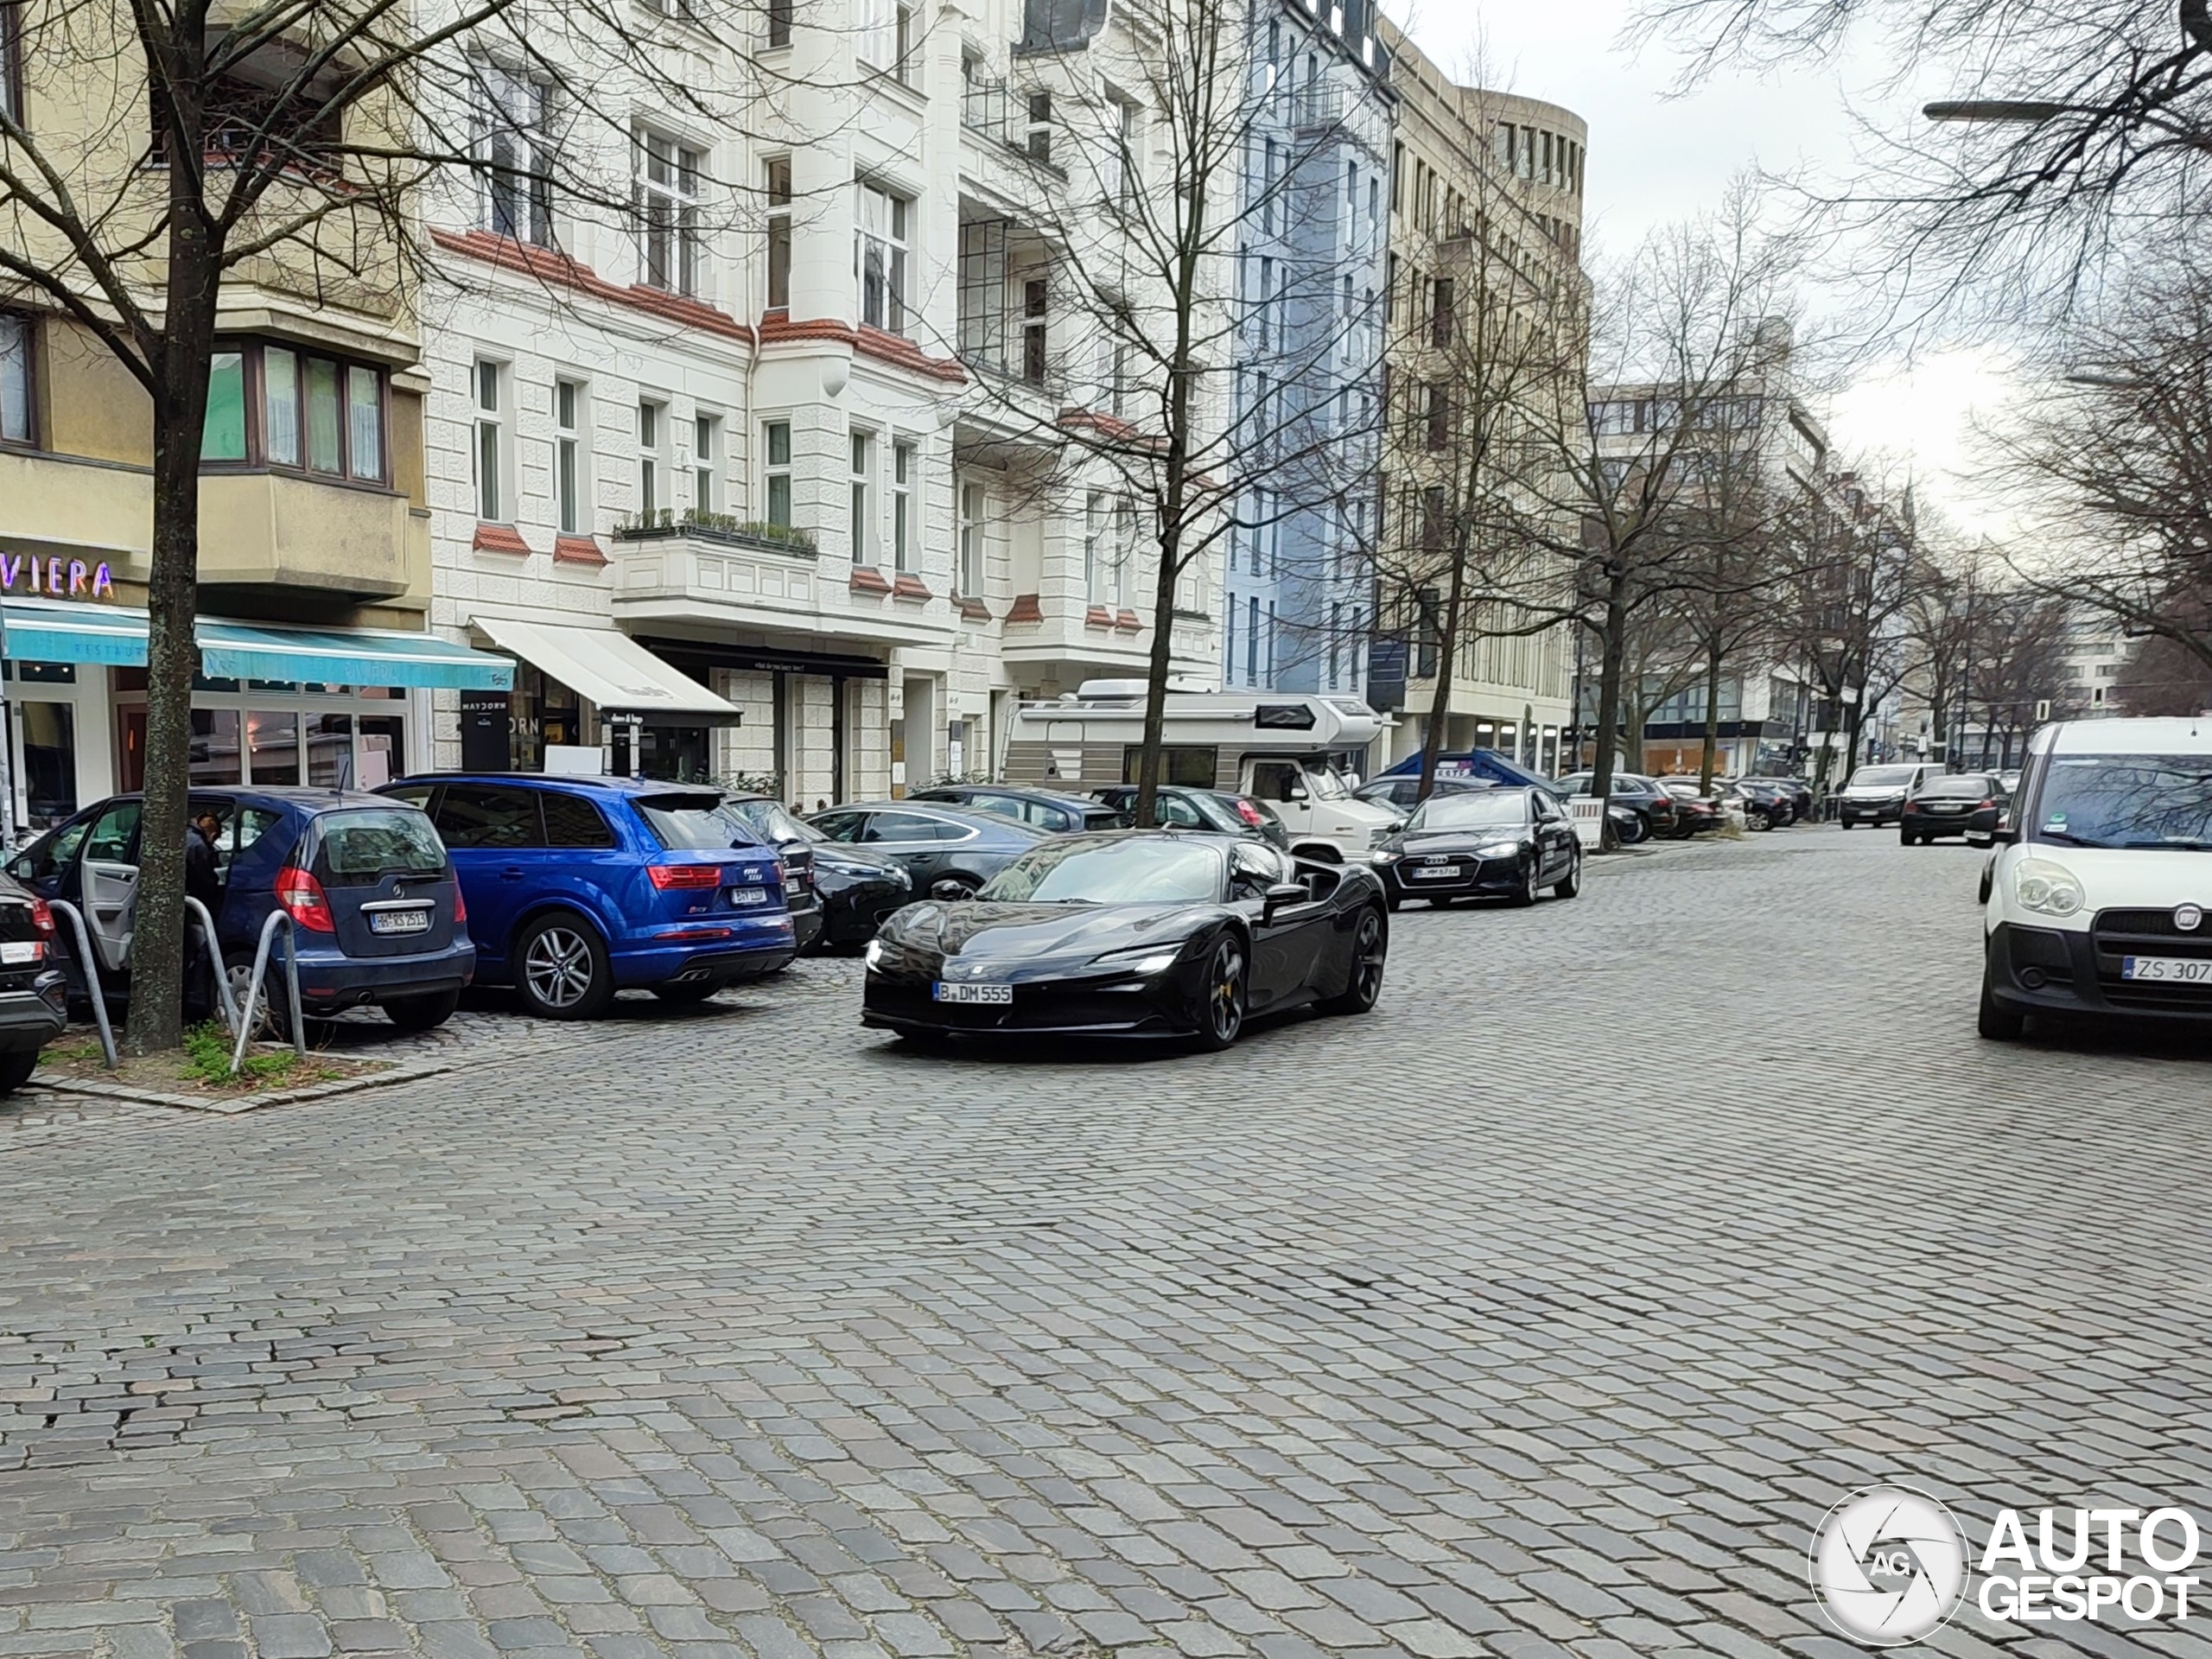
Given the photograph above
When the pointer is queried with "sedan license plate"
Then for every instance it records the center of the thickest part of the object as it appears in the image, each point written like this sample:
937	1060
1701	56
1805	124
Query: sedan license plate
945	993
399	921
2172	971
740	897
1432	872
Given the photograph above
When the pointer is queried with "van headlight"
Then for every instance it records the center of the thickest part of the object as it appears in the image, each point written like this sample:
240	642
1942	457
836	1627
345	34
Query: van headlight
2041	885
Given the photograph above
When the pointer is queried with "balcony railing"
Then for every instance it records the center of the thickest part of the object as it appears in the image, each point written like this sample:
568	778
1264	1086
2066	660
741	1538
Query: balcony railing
722	529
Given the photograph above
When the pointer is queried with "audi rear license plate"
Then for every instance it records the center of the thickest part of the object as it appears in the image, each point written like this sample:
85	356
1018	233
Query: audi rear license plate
1002	993
1432	872
740	897
399	921
2172	971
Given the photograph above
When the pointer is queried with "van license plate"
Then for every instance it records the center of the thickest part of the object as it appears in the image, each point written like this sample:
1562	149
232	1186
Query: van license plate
399	921
974	993
740	897
2172	971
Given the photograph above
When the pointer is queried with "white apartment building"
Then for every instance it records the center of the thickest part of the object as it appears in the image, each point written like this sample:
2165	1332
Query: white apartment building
761	480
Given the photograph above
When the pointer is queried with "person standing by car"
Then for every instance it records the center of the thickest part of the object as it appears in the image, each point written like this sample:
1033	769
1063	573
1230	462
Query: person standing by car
201	878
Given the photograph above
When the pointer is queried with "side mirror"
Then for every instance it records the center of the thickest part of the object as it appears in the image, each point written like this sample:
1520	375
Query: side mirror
2006	832
1296	792
1283	893
950	892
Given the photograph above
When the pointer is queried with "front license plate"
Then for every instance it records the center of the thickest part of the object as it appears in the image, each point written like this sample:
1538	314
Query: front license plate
1436	871
399	921
2173	971
945	993
740	897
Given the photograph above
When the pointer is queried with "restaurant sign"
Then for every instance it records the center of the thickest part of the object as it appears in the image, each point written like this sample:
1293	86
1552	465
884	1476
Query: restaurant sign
56	577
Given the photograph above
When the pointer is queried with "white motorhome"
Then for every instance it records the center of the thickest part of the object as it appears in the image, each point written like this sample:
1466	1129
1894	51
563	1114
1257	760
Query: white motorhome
1289	750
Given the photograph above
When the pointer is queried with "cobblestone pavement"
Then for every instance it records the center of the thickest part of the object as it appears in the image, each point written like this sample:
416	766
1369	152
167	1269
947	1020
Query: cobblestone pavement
1543	1312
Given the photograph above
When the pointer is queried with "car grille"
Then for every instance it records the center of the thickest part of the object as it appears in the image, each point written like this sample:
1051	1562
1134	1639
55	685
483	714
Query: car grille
2118	933
1033	1007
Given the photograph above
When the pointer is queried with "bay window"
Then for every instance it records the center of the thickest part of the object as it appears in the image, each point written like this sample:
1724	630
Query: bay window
283	408
14	369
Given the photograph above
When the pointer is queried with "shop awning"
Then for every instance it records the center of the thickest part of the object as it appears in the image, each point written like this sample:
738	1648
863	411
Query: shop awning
607	667
52	631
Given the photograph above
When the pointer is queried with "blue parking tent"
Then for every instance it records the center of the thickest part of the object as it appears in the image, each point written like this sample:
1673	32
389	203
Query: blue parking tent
50	632
1475	763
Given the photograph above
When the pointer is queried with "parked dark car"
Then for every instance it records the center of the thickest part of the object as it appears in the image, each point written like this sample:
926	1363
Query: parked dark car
946	852
1965	804
1509	843
579	886
1180	806
764	820
1404	794
1798	791
1047	808
852	889
377	916
1696	814
1777	801
1653	807
1141	932
33	992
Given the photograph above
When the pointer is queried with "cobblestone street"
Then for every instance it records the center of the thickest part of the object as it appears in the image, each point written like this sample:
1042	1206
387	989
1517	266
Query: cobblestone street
1545	1311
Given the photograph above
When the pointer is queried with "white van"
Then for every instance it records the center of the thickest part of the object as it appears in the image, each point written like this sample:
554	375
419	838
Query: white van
2101	891
1285	748
1876	794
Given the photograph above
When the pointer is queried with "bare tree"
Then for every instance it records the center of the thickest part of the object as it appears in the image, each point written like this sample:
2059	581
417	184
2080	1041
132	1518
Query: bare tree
165	156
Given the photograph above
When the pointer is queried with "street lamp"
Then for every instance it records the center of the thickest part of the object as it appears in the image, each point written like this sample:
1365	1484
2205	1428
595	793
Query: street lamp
1994	111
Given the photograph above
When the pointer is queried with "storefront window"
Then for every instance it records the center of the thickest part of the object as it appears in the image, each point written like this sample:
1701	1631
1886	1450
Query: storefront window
330	752
49	761
545	712
677	753
381	754
273	745
214	747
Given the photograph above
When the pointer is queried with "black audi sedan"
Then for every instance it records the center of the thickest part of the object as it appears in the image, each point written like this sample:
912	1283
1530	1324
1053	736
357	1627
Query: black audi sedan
946	852
1048	809
1964	803
1140	932
846	891
1509	844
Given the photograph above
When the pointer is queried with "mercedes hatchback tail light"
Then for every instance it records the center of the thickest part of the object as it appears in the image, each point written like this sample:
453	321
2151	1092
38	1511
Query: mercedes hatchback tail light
304	901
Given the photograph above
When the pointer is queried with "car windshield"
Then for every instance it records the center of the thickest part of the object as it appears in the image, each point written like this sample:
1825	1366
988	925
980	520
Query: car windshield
1133	872
2126	800
1330	785
770	820
688	822
1880	777
1473	809
377	842
1968	788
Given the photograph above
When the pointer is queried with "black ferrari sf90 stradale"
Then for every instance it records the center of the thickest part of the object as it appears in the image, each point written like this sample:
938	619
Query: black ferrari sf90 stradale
1139	932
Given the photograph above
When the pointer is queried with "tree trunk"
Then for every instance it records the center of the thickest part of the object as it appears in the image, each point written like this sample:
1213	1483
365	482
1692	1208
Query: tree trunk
1439	703
157	961
1712	718
1613	649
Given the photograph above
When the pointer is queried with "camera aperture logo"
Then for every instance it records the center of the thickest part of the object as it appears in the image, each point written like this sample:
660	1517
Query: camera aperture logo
1888	1564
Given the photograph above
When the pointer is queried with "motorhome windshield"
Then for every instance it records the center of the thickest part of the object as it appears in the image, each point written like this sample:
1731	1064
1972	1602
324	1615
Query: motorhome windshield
1326	785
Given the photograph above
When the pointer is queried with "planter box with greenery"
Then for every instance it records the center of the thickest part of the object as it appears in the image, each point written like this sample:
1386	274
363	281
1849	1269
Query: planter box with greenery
719	527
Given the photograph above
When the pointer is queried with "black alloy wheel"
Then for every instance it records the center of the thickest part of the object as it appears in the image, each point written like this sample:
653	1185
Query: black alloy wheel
1225	990
1371	948
1570	884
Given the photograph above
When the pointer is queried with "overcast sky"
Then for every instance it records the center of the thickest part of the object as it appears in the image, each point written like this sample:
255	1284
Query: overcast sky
1655	157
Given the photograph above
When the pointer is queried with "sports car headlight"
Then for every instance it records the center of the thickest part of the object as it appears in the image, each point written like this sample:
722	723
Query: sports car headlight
2041	884
1498	849
1145	959
874	955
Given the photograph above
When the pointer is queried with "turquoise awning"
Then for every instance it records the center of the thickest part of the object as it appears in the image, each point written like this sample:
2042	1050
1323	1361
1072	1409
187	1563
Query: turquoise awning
50	630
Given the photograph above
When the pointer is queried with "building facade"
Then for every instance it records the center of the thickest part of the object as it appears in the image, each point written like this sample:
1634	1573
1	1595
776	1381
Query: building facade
788	449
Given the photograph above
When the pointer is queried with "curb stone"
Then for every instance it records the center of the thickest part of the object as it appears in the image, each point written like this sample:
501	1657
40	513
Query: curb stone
404	1072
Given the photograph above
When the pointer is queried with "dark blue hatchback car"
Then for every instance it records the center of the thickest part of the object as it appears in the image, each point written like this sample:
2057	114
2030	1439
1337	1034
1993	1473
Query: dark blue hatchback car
378	918
579	886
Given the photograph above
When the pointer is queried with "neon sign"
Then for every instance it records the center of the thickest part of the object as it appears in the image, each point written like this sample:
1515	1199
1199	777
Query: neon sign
55	576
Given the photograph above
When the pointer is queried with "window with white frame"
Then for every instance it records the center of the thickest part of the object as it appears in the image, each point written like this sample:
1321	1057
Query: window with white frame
706	463
1122	555
514	143
776	475
665	195
779	233
1118	176
488	385
15	376
1036	330
572	510
652	468
1038	139
1095	512
880	257
971	540
865	534
902	528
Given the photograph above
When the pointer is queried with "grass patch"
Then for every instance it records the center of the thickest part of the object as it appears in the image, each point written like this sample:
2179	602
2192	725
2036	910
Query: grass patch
207	1060
202	1066
87	1052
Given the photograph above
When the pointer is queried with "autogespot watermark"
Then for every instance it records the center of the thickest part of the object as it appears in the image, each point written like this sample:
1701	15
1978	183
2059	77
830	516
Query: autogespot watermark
1889	1565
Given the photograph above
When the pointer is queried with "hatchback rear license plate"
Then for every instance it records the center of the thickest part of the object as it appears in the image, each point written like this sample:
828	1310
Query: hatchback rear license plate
945	993
1434	871
399	921
740	897
2173	970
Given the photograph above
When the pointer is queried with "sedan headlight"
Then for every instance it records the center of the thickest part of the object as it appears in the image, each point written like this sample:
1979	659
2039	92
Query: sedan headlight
2042	884
874	955
1498	849
1385	856
1143	959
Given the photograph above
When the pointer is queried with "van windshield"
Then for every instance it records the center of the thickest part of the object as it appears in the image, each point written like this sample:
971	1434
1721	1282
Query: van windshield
2136	801
1325	785
1880	777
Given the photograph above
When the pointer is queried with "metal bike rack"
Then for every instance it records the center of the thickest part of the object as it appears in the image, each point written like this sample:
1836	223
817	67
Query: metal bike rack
291	987
223	997
92	967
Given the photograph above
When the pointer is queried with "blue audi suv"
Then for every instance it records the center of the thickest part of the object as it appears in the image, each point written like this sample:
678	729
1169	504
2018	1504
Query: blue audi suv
577	887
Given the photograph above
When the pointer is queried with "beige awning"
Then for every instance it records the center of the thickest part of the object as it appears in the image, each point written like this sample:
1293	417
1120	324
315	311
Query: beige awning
606	667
